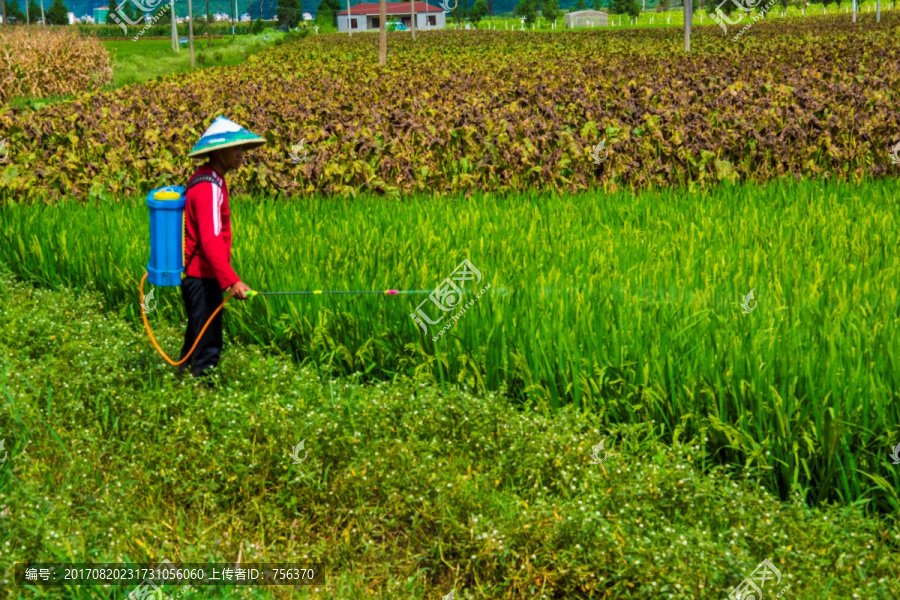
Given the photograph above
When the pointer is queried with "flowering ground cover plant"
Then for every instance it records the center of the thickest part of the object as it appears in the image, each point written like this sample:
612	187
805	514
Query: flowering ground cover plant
419	491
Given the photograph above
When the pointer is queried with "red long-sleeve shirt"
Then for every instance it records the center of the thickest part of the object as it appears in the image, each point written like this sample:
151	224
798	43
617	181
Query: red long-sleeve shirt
207	218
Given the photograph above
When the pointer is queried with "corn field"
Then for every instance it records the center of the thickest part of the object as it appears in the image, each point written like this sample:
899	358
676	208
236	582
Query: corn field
36	63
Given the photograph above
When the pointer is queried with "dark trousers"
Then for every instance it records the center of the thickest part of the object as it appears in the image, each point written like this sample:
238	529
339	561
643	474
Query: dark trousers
202	297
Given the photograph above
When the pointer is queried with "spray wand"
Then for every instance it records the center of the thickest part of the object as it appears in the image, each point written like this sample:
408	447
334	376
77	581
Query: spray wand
251	294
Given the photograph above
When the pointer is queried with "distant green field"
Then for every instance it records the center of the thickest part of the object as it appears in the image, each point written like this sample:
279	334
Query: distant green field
137	61
628	305
670	18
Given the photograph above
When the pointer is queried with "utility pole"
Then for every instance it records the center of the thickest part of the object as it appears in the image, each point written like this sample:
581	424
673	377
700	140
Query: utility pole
382	34
3	8
413	2
878	11
176	46
854	11
687	25
190	30
233	15
208	27
43	17
349	21
27	15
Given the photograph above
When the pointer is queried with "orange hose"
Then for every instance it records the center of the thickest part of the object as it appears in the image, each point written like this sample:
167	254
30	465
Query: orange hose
197	341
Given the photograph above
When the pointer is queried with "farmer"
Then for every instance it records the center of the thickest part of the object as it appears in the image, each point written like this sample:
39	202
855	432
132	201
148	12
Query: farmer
207	240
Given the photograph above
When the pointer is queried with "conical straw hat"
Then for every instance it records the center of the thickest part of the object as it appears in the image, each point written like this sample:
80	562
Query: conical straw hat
225	134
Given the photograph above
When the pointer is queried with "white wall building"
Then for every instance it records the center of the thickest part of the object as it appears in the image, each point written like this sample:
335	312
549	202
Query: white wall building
365	17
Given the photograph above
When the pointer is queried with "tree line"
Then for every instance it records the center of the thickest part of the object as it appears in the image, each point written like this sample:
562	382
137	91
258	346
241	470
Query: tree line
57	14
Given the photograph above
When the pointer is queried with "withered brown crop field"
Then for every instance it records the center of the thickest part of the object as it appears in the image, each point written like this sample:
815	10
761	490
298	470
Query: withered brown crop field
38	62
499	111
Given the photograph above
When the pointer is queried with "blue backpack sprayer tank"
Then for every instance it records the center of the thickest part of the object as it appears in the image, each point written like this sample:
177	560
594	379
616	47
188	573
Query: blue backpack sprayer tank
166	264
166	239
